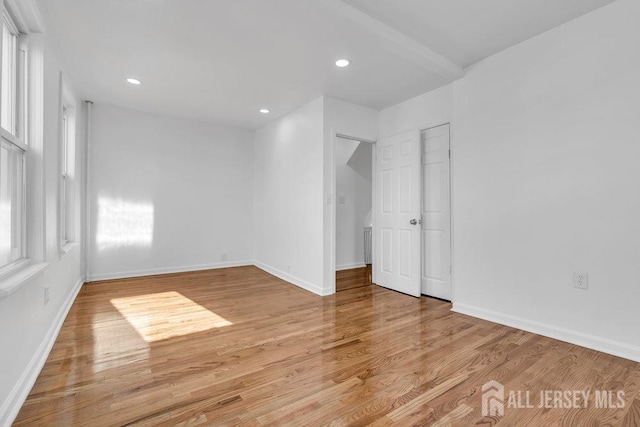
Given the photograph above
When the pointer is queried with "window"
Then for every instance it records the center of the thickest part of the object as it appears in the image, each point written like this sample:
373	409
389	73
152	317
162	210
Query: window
11	203
64	179
67	172
13	147
9	41
22	184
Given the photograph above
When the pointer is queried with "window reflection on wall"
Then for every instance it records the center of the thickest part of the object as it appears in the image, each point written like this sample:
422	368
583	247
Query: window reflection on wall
123	224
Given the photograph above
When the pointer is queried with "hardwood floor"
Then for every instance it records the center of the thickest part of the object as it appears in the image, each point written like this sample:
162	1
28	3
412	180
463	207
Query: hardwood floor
238	346
353	278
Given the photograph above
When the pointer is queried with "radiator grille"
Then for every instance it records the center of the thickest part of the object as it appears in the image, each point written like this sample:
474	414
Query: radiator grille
367	245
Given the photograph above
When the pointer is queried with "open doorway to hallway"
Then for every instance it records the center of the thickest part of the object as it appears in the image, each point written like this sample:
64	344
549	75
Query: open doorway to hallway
353	168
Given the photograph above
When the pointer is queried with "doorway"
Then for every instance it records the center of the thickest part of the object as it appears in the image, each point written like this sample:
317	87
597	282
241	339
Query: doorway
353	159
411	236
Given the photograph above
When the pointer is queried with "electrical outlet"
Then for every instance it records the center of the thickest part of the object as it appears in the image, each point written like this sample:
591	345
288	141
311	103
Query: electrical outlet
342	200
46	295
581	280
225	256
288	268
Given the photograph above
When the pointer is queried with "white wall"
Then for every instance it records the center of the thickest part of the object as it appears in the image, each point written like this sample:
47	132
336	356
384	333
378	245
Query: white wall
167	194
353	194
422	112
28	327
545	181
294	193
288	197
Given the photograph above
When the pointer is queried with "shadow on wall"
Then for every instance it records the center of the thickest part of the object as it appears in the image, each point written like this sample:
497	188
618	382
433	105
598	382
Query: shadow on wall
124	224
360	160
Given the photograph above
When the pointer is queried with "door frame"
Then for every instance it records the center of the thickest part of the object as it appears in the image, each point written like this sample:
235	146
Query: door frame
451	251
332	200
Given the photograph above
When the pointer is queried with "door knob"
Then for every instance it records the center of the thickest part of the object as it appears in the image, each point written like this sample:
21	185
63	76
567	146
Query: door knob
413	221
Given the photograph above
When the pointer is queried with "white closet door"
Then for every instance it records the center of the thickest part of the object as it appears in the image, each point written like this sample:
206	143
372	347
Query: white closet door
436	213
397	208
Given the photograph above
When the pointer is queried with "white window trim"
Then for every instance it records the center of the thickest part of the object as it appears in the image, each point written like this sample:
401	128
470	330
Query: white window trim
12	139
15	135
16	275
66	248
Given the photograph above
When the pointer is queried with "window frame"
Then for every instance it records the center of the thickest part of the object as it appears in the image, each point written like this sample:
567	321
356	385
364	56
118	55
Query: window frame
15	136
67	151
64	175
27	134
8	21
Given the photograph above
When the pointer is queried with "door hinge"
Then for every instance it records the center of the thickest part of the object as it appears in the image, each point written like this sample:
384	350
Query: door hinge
449	153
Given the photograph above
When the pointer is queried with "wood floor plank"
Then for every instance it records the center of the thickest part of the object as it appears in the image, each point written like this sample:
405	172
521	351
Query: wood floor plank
238	346
353	278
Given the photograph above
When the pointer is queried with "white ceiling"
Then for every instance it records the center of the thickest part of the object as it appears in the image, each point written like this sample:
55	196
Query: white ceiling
467	31
222	60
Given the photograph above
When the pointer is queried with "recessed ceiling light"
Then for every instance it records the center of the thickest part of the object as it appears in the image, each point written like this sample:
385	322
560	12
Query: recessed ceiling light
342	63
133	81
264	111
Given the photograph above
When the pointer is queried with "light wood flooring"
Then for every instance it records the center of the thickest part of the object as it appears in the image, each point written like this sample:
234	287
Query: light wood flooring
353	278
240	347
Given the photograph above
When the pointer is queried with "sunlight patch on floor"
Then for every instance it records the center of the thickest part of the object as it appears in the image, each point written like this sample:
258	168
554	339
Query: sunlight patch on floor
164	315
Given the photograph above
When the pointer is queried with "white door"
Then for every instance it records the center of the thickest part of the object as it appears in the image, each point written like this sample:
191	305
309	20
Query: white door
436	213
397	212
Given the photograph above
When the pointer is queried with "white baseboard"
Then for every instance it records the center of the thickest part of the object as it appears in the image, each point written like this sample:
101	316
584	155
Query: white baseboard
151	272
20	391
350	266
291	279
169	270
605	345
